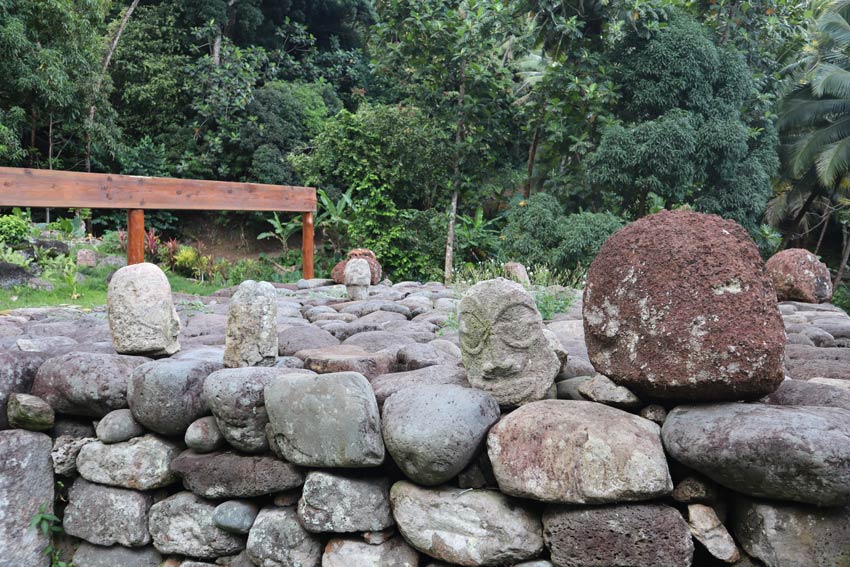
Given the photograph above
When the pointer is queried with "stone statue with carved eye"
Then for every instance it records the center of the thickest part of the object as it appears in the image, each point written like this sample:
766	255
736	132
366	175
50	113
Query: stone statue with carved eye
504	349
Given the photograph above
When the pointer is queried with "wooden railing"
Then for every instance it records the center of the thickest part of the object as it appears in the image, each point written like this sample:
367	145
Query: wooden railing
71	189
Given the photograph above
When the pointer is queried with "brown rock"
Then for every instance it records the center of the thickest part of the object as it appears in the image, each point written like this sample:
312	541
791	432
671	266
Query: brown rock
798	275
347	358
338	272
678	306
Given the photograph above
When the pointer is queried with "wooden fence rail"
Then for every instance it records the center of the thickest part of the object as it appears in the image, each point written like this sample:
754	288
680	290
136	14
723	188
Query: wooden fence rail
70	189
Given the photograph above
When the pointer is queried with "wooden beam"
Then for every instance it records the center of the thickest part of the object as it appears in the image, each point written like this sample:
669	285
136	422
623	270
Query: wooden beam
135	236
307	246
51	188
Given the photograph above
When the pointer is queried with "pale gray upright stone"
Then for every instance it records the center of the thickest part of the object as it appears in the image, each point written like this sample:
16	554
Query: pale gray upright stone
782	534
504	349
251	337
183	524
142	463
141	312
105	515
325	421
117	426
86	383
578	452
341	503
778	452
26	489
354	553
236	398
88	555
357	277
433	432
166	396
278	540
449	524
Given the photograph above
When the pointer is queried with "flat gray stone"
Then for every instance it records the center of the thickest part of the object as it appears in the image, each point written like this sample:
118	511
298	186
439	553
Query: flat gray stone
353	553
342	503
141	463
278	540
105	515
388	384
88	555
183	524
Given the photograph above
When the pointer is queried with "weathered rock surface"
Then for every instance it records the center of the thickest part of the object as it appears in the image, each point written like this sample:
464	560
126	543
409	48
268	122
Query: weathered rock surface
637	535
26	489
278	540
29	412
778	452
433	432
251	336
449	524
104	515
235	516
167	396
65	451
352	553
325	421
86	383
357	276
204	436
388	384
88	555
230	475
579	453
304	337
344	503
678	306
798	275
707	529
183	524
791	535
141	312
17	373
141	463
603	390
504	349
338	271
803	393
347	358
117	426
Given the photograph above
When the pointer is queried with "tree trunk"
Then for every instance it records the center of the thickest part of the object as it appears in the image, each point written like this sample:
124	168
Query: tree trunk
825	221
844	257
795	225
33	124
450	237
50	144
107	59
532	153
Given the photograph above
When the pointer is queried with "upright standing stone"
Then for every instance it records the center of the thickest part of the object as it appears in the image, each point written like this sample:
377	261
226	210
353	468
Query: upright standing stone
26	489
357	277
504	349
141	312
251	338
678	306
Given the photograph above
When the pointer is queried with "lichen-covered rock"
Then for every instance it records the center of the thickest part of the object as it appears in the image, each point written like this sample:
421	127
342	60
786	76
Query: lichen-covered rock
433	432
29	412
342	503
325	421
86	383
230	475
117	426
26	489
204	436
798	275
792	535
141	313
105	515
637	535
357	276
65	451
142	463
449	524
237	400
678	306
352	553
17	373
251	337
578	453
778	452
88	555
278	540
504	349
183	524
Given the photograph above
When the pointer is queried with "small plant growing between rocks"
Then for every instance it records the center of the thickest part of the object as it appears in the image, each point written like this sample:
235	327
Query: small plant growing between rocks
48	524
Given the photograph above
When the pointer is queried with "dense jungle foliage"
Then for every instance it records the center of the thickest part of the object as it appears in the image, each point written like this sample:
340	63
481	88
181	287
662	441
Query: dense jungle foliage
524	130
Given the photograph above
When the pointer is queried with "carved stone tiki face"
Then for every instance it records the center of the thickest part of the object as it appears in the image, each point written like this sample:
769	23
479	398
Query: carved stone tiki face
504	349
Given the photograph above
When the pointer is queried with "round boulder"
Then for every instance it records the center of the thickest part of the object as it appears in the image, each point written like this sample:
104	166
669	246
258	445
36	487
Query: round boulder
798	275
678	306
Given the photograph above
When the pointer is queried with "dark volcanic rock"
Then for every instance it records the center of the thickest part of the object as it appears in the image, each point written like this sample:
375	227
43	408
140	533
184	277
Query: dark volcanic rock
230	475
678	306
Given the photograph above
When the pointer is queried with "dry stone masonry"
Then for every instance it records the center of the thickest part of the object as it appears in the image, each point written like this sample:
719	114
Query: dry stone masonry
675	416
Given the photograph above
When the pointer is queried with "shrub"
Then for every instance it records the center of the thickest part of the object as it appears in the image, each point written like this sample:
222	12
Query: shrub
187	260
14	229
582	235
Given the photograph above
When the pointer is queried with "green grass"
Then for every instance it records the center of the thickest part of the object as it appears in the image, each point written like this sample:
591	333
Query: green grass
88	294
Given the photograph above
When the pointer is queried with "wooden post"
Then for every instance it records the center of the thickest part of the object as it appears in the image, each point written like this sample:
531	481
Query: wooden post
307	245
135	236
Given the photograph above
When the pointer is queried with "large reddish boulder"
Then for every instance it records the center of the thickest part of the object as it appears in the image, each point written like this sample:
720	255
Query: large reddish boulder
798	275
338	272
678	306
